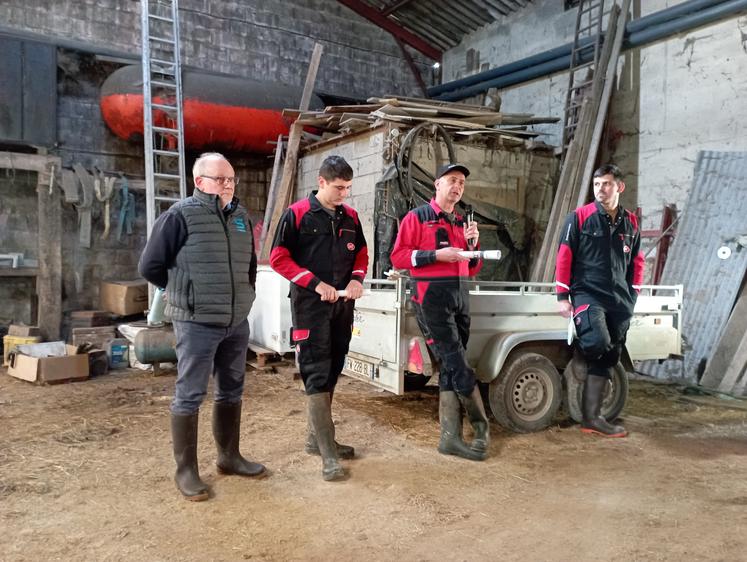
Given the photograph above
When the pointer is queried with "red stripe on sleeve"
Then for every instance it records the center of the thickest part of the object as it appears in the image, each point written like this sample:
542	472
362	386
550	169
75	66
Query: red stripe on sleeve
282	262
639	261
563	269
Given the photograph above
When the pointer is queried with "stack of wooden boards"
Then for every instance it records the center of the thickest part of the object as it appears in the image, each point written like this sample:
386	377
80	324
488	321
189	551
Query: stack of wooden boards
460	119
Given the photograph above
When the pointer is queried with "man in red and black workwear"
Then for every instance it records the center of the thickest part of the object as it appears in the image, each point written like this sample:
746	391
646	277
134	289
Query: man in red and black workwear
320	248
599	272
428	243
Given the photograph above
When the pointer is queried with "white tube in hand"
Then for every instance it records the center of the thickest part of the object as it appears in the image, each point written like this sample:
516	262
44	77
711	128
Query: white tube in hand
481	254
343	293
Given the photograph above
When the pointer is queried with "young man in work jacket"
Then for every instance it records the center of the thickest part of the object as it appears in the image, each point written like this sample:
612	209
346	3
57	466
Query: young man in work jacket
202	251
428	243
599	272
319	246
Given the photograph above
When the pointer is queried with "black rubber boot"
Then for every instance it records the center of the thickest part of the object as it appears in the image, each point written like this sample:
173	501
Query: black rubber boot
312	447
321	420
476	413
594	389
187	477
226	430
450	414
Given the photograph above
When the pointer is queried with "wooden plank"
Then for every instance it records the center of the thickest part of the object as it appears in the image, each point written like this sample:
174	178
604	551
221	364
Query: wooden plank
363	108
553	223
270	205
431	103
285	191
49	282
519	119
736	371
410	111
727	345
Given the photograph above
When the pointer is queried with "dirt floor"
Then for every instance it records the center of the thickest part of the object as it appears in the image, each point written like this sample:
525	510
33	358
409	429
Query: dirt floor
86	474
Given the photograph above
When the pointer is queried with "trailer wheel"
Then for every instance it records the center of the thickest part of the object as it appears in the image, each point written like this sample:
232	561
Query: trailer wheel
526	396
614	398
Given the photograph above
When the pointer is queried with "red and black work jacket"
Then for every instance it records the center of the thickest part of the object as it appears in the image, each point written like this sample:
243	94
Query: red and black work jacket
311	245
424	230
600	262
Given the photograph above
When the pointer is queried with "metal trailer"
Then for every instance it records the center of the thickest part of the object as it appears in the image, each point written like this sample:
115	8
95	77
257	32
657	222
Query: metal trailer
518	347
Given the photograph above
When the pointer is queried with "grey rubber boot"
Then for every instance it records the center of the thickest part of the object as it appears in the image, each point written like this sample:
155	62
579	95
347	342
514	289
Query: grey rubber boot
450	415
593	396
478	418
312	447
187	477
321	420
226	431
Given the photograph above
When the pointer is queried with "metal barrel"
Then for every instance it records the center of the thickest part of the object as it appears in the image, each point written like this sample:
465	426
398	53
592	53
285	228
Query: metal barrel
155	346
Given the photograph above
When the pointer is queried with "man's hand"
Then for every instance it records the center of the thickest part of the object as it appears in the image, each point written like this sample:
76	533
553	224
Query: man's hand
354	290
471	234
565	309
450	255
327	292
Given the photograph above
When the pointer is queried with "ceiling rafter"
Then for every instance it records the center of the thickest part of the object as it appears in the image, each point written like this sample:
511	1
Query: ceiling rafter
398	31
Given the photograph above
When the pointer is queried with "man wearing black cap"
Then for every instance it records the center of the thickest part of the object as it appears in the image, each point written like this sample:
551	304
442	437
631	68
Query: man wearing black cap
429	243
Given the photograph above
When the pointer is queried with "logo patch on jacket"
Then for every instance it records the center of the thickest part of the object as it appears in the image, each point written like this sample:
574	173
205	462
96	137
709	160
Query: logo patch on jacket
626	249
240	224
351	246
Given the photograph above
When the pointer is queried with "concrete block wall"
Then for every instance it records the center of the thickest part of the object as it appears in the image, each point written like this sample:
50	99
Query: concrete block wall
263	39
108	258
84	138
364	154
675	98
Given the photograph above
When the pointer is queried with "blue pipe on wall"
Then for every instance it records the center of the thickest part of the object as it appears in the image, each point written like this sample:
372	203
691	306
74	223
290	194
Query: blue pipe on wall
554	60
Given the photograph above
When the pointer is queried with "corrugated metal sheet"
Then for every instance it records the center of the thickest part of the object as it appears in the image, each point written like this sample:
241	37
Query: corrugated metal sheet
715	217
443	23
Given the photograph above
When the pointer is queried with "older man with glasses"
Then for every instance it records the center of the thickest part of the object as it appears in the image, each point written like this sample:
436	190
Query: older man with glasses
202	252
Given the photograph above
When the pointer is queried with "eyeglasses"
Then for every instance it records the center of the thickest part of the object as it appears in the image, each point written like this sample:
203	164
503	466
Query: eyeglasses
223	180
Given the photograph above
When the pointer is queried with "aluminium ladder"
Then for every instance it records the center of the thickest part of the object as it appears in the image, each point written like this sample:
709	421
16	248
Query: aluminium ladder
163	124
587	41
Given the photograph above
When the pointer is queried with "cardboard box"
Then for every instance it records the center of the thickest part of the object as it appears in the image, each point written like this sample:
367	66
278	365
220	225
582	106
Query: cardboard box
50	369
124	297
90	318
23	330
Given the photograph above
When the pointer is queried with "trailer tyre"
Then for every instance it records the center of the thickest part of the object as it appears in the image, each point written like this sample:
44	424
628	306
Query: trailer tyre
614	398
527	394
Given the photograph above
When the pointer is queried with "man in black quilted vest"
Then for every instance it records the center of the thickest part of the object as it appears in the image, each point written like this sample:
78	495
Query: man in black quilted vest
202	252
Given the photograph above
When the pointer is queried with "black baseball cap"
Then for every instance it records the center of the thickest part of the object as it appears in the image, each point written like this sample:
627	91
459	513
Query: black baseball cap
446	168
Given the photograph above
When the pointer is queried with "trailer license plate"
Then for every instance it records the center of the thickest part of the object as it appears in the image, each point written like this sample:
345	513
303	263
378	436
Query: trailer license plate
359	367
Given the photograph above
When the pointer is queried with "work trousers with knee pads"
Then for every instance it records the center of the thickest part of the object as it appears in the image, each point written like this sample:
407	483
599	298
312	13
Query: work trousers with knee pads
321	332
600	336
442	312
